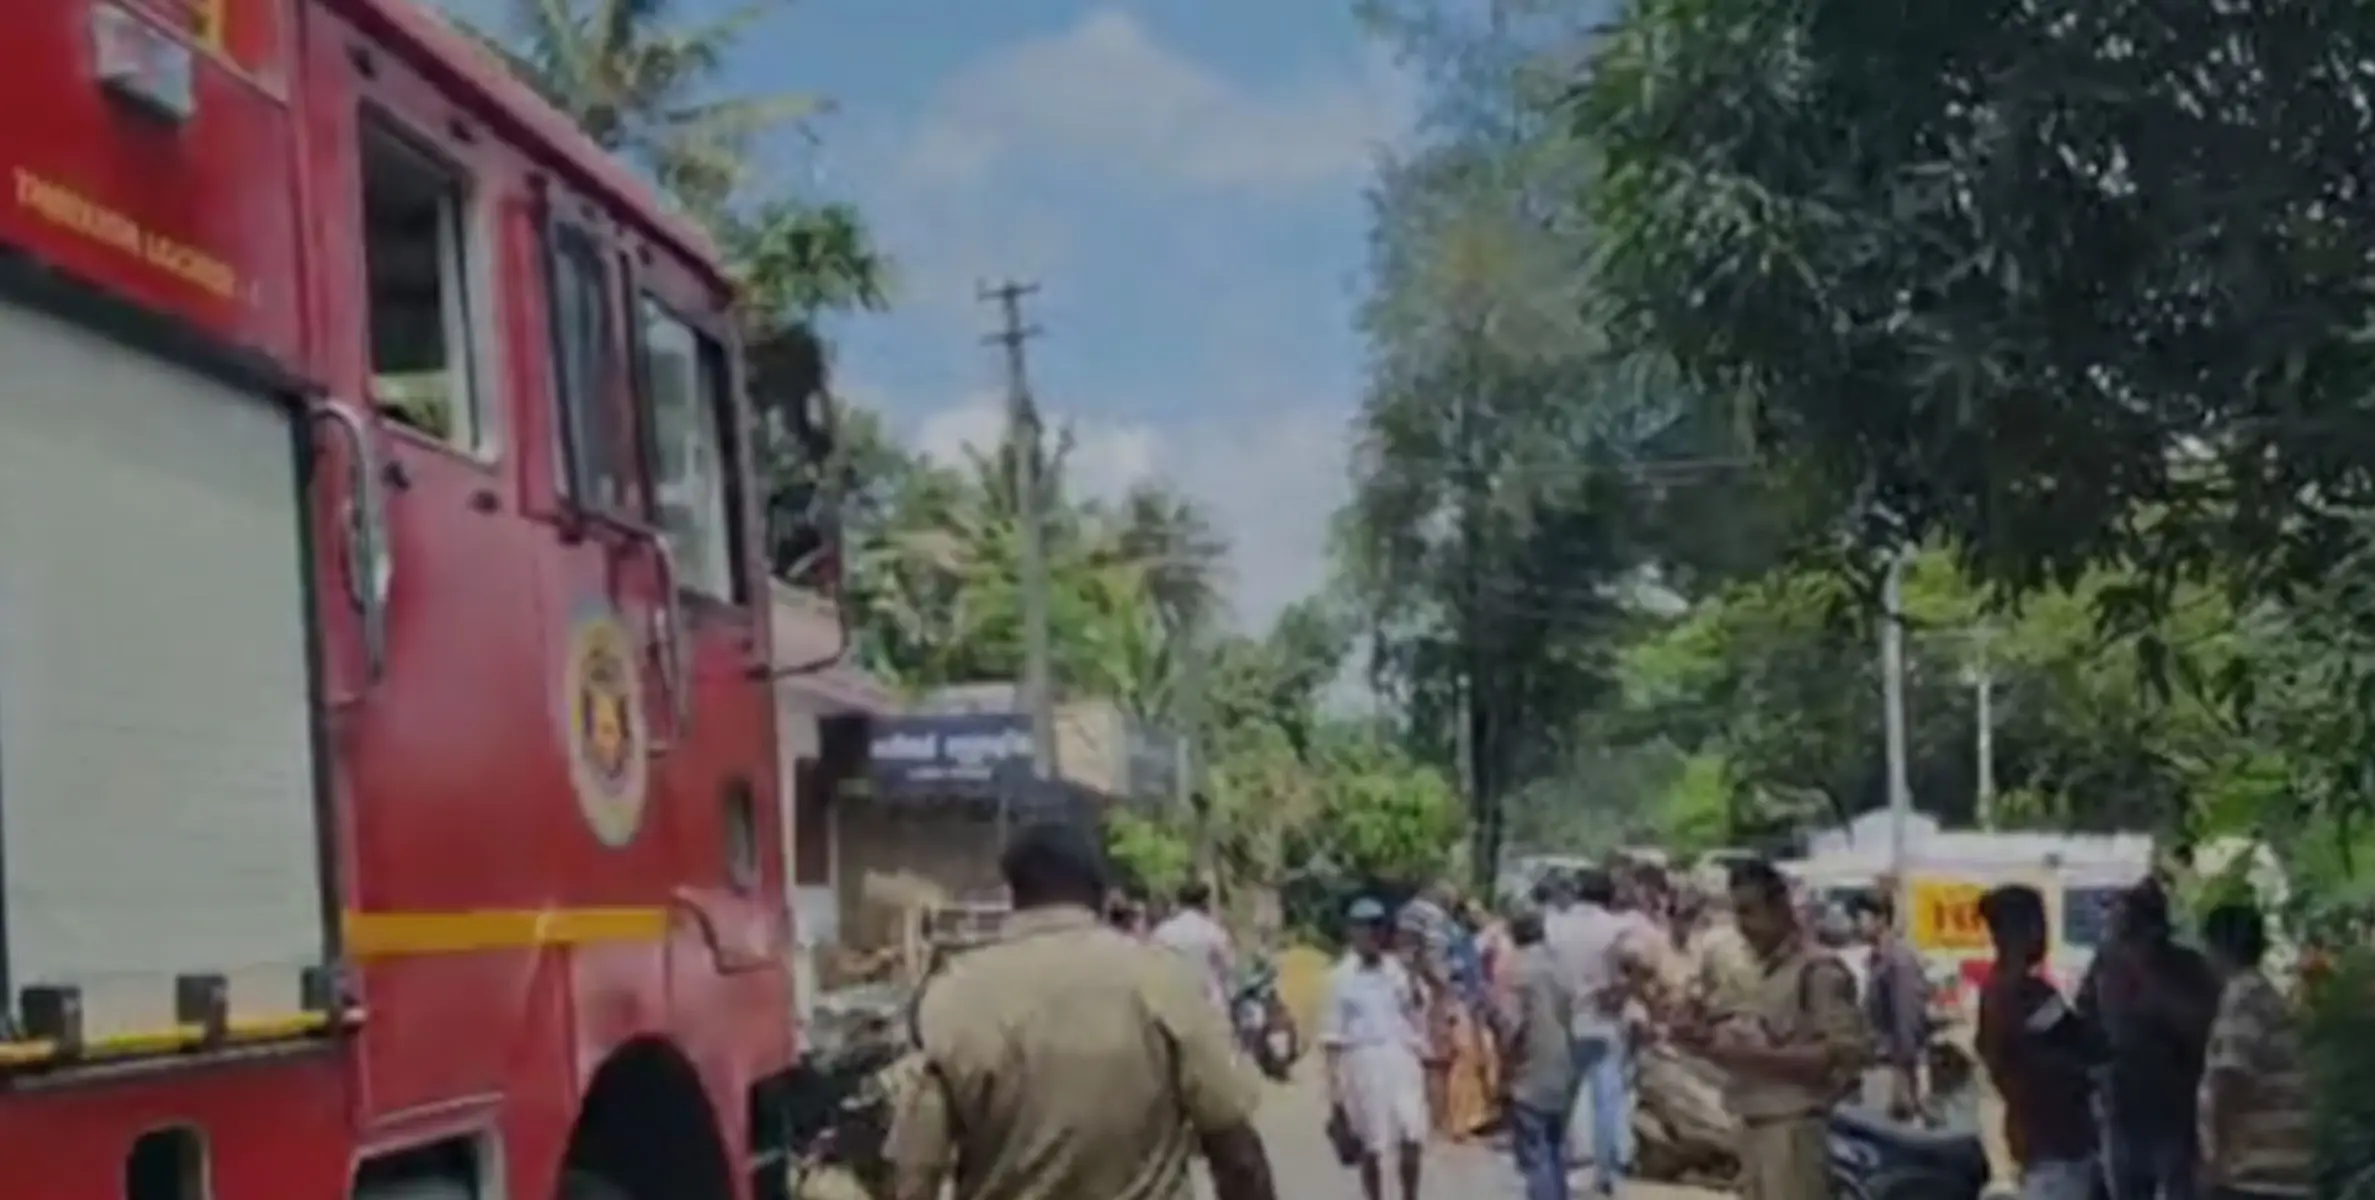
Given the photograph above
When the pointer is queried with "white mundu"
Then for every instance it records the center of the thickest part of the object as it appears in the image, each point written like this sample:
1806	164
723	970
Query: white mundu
1370	1021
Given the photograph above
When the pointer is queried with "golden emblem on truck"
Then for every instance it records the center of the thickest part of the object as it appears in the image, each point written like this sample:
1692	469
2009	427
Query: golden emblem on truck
604	726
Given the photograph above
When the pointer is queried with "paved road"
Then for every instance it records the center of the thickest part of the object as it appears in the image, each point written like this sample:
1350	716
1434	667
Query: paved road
1292	1121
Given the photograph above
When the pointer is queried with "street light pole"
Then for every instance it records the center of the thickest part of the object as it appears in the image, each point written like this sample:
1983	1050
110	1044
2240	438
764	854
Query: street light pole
1983	680
1892	685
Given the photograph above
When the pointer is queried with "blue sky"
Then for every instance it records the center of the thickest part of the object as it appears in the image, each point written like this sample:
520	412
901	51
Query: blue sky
1185	180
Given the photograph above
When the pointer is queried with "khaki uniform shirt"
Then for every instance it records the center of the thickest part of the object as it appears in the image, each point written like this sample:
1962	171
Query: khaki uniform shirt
1804	997
1066	1061
1727	969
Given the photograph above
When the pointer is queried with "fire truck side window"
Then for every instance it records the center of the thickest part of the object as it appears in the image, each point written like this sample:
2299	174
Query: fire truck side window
416	269
596	451
684	386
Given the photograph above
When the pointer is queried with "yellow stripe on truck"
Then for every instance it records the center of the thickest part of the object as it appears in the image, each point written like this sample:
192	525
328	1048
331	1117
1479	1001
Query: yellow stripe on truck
381	935
369	935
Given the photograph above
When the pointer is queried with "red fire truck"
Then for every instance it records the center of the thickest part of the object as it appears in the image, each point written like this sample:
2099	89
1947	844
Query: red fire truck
387	794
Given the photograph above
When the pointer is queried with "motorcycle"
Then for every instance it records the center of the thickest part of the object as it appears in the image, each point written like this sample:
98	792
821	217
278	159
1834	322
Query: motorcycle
1875	1158
837	1110
1265	1030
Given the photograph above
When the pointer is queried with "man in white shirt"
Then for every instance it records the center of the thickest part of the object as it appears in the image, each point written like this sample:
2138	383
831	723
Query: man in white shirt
1586	943
1192	934
1372	1035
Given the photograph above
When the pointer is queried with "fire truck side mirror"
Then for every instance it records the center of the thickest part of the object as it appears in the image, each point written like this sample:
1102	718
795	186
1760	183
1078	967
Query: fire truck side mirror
797	439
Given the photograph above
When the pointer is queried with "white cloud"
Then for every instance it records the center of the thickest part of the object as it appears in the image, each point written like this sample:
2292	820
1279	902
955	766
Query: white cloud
1106	91
1271	489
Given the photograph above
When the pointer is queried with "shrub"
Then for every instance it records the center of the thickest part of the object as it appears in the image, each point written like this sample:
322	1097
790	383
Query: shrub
2339	1045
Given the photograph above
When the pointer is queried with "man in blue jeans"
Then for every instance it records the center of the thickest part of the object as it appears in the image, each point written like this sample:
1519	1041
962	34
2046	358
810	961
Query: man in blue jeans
1539	1069
1587	942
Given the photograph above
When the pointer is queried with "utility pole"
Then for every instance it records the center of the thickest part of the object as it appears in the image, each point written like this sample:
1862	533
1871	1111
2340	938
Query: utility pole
1892	698
1022	434
1190	715
1983	680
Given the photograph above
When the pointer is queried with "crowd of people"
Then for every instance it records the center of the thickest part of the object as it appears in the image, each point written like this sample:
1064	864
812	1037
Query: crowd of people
2172	1073
1074	1057
2169	1074
1451	1020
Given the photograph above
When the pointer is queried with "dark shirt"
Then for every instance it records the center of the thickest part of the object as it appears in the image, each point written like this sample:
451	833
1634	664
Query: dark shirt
1897	1003
2153	1004
2039	1052
1535	1025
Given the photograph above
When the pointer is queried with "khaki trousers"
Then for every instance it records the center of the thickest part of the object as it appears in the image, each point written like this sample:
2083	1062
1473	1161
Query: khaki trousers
1785	1159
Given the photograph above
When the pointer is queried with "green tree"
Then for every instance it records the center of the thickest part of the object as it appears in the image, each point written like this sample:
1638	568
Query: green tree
1522	479
1778	679
2061	285
637	76
936	565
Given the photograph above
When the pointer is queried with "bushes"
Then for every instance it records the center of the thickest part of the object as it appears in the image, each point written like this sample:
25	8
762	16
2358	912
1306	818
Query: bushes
2339	1046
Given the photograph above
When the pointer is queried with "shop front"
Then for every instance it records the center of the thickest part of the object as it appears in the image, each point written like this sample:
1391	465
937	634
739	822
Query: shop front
921	828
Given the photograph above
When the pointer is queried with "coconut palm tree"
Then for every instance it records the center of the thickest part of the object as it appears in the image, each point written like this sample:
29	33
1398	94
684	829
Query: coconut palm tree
636	77
1175	545
936	572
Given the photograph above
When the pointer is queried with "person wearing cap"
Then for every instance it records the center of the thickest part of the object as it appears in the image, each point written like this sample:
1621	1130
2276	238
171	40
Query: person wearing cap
1374	1039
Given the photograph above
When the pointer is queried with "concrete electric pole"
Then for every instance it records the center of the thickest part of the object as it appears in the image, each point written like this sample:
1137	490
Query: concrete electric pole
1022	433
1892	699
1983	682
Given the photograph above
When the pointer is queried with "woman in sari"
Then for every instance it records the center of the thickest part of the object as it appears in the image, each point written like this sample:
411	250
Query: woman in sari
1472	1076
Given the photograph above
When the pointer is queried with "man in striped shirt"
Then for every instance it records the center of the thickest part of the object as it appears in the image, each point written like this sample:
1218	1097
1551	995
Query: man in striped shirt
2255	1101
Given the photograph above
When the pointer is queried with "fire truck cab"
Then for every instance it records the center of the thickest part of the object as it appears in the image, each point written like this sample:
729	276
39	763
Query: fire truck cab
387	779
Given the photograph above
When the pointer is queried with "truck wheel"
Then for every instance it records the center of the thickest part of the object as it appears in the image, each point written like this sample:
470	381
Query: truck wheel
585	1185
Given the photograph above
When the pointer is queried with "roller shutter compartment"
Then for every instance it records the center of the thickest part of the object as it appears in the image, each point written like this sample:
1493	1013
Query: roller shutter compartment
157	776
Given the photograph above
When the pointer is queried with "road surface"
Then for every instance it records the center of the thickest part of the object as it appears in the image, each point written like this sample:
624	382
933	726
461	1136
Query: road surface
1293	1117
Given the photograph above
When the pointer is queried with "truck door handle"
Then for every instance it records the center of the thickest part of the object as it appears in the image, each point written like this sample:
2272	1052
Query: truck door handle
370	552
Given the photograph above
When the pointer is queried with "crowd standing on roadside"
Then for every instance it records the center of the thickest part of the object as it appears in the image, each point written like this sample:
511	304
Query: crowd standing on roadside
2173	1075
2169	1074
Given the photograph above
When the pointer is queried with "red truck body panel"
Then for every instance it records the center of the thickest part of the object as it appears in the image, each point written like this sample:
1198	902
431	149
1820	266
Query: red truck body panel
499	952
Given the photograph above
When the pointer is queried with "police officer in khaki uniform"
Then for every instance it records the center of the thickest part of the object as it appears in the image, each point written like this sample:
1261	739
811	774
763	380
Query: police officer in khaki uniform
1068	1060
1796	1050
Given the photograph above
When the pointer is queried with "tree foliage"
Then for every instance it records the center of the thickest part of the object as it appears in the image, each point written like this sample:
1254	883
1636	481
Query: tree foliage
2078	293
637	77
2066	284
1489	537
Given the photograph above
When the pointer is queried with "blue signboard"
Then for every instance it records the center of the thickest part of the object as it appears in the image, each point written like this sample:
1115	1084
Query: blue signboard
970	755
953	754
